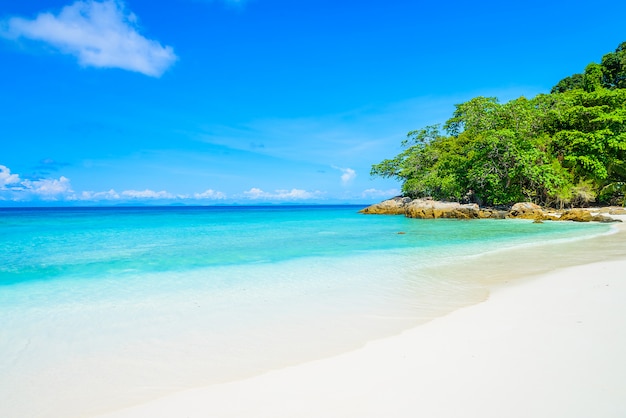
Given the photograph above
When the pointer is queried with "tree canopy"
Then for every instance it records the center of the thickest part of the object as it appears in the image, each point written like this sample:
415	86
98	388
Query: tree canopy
563	148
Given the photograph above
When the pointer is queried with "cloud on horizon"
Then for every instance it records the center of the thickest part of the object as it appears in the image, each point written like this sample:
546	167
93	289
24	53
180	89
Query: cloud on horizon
210	194
6	178
14	188
147	194
380	194
49	188
96	196
18	189
284	195
100	34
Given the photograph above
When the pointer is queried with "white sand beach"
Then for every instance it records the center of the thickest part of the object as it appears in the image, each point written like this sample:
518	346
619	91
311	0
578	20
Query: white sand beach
548	346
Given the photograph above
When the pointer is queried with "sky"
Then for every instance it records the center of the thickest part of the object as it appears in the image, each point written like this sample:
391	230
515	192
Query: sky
205	102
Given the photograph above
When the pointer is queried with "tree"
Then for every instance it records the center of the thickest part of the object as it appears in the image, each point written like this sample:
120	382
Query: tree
614	68
612	73
592	78
427	166
589	134
569	83
566	147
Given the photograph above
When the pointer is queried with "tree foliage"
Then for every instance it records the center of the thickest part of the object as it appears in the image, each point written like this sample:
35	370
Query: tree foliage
566	147
611	72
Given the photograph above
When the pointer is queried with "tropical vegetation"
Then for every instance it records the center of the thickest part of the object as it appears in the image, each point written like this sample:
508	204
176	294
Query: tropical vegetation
566	148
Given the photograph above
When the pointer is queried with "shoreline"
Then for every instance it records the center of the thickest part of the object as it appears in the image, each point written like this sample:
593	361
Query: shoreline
544	345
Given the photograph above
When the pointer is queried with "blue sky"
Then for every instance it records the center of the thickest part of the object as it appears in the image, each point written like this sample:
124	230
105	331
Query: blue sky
258	101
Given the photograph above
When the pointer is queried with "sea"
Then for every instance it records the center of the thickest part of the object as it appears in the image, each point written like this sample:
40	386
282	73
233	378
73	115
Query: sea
107	307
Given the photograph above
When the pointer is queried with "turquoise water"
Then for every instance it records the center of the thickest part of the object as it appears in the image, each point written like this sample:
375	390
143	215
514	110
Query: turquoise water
120	305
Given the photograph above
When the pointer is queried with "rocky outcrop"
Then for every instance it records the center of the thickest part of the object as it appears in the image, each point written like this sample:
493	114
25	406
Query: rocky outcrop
395	206
613	210
526	210
433	209
487	213
529	210
577	215
584	215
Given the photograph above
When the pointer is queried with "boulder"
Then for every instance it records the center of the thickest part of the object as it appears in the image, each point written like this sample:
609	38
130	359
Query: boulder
395	206
617	211
525	206
577	215
526	210
433	209
492	214
604	219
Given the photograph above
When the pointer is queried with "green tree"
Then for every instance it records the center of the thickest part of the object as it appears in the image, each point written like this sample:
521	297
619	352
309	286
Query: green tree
592	79
589	134
572	82
427	167
614	68
567	147
507	158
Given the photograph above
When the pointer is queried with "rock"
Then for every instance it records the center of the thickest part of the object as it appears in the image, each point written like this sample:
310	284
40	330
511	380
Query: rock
604	219
617	211
433	209
577	215
492	214
395	206
526	210
525	206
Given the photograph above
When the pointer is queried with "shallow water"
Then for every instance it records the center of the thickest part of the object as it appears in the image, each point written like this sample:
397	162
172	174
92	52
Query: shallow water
106	307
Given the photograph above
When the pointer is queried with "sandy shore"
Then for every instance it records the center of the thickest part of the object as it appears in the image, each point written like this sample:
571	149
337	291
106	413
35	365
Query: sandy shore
552	346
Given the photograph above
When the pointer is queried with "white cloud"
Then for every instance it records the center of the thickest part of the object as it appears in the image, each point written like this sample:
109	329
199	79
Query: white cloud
381	194
210	194
347	175
18	189
255	193
49	187
147	194
293	194
99	34
13	188
108	195
7	178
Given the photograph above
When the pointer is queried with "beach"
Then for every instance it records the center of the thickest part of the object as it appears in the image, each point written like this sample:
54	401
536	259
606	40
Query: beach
246	312
549	345
248	209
